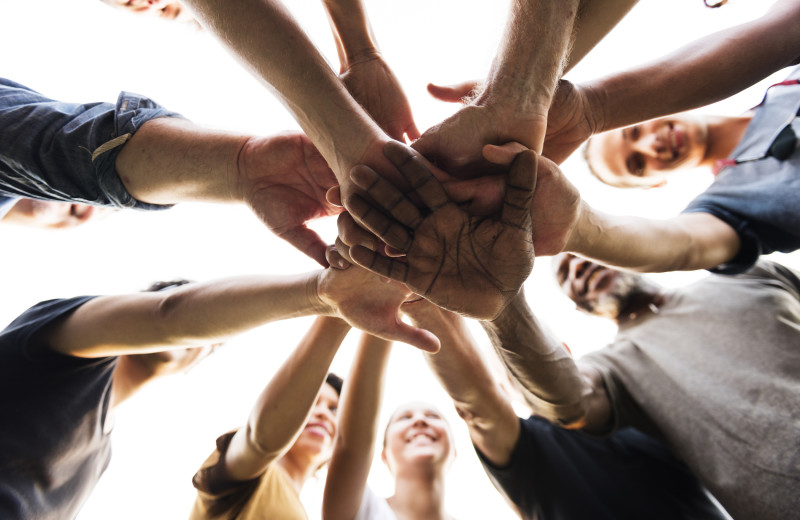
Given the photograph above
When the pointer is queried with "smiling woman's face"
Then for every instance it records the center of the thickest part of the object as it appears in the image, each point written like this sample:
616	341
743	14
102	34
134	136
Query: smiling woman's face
317	436
166	9
646	153
417	434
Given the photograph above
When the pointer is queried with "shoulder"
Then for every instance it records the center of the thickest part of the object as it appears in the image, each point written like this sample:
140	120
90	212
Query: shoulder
27	334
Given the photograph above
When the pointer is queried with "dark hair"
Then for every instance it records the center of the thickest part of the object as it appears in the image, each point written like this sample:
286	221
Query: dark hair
335	381
166	285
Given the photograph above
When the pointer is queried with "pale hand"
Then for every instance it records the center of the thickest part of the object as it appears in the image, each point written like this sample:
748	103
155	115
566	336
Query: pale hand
569	123
372	305
373	84
284	179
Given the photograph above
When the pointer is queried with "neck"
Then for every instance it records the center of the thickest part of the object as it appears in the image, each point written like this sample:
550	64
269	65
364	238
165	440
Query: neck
724	133
419	496
299	469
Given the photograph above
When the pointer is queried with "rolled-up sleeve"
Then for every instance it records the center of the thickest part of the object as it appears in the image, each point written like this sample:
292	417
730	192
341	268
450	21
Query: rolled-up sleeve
53	150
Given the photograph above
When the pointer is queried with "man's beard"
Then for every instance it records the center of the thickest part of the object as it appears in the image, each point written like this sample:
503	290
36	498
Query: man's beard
617	300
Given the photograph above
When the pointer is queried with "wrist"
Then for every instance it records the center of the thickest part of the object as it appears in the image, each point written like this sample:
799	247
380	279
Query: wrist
359	55
514	308
582	233
595	104
320	306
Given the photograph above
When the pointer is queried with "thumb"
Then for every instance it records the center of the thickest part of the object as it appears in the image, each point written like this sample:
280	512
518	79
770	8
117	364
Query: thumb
453	93
307	241
416	337
503	154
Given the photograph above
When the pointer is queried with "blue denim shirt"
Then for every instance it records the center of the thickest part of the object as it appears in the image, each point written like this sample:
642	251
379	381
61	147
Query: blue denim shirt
6	203
760	197
67	151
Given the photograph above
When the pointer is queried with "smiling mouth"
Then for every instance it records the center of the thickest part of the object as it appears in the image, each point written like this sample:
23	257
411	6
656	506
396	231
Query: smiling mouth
588	283
675	140
317	427
417	435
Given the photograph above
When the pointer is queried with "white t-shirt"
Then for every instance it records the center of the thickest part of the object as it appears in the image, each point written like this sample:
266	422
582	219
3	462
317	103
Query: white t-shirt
374	507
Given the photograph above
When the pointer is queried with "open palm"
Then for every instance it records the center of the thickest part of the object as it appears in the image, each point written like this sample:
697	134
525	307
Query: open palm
468	264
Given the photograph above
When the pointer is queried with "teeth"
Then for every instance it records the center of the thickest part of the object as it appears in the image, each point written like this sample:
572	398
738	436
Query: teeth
591	278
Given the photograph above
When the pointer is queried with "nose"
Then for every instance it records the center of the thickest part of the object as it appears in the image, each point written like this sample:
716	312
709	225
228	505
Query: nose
322	412
649	145
420	420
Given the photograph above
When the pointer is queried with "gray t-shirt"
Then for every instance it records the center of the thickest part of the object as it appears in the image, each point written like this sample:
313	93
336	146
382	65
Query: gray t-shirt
716	374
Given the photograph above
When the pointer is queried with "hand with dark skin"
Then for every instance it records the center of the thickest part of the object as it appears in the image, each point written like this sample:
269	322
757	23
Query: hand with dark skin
468	264
556	205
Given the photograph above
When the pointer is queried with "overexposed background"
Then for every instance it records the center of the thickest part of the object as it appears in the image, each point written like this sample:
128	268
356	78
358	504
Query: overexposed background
82	51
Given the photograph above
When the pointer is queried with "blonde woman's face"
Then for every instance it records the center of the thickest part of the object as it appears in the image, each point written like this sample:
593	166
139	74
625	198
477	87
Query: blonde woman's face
417	433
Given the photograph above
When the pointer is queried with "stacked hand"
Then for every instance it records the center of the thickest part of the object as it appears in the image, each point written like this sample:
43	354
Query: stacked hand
372	305
465	263
284	180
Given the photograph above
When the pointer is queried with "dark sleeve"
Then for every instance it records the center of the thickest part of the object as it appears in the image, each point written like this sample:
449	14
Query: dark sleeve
559	474
750	245
23	348
67	151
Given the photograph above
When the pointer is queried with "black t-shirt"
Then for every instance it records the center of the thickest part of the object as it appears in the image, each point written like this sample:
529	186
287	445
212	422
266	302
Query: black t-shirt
54	439
558	474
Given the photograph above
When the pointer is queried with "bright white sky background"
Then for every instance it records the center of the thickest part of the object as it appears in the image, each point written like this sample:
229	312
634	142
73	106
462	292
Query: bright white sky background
81	50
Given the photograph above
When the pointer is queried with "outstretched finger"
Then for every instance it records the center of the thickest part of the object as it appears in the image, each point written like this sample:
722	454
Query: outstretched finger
412	132
413	168
391	268
414	336
351	234
385	195
520	184
386	228
307	241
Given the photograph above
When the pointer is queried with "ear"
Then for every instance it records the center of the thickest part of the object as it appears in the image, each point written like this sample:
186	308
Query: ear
657	185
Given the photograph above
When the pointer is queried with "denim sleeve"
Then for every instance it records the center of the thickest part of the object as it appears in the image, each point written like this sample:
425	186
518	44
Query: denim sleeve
66	151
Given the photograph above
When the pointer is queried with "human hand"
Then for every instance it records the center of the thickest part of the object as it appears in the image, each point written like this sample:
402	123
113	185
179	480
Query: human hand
372	305
467	264
569	123
284	179
456	143
373	84
556	205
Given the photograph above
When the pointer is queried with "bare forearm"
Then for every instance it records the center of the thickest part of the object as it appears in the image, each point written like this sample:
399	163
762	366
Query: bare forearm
268	41
358	430
351	29
532	55
687	242
273	425
596	18
189	316
545	370
705	71
460	367
172	160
